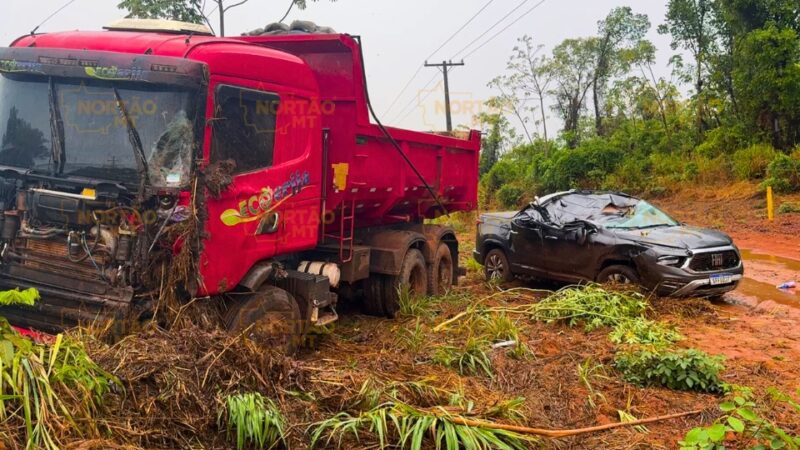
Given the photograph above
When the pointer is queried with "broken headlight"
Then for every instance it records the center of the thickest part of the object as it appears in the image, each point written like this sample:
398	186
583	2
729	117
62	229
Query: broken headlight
672	261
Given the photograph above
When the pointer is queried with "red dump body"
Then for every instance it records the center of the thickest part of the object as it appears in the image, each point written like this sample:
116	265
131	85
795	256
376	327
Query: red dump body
356	167
380	183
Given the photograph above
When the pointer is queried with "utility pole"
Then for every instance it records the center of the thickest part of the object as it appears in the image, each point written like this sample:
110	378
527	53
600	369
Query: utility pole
444	66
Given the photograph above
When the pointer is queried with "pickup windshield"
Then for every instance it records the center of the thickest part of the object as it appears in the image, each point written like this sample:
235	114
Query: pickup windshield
96	143
643	215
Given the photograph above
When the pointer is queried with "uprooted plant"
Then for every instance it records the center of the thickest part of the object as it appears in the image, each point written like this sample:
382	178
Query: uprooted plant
743	423
396	424
643	331
254	420
46	388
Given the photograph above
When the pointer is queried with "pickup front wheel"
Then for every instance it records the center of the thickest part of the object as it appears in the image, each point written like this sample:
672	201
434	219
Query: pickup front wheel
496	266
618	274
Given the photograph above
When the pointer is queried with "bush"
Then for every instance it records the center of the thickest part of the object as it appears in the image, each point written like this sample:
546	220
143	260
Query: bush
751	163
685	370
712	171
643	331
509	196
720	141
788	208
783	174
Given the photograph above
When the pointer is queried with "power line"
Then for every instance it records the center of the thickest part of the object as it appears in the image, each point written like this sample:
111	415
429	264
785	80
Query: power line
52	15
411	102
447	41
421	101
504	29
491	28
291	5
460	29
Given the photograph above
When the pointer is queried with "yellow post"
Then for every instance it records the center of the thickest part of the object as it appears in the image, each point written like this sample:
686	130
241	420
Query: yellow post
770	205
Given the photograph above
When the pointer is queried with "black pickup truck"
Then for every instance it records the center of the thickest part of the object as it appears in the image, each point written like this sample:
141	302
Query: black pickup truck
590	236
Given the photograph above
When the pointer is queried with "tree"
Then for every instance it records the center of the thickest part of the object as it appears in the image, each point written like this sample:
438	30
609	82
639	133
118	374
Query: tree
691	25
497	135
620	36
186	10
572	69
530	75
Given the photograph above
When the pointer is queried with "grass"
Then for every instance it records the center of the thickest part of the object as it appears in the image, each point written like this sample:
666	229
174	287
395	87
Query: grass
412	339
470	359
255	420
398	425
414	305
49	387
588	372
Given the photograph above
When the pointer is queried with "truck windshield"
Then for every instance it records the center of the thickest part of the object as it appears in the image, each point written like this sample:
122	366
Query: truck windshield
643	215
96	140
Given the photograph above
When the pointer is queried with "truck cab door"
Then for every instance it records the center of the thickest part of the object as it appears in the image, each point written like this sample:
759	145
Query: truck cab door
270	205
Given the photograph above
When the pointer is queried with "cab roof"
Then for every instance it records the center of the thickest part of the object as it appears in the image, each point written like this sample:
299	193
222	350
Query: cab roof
224	56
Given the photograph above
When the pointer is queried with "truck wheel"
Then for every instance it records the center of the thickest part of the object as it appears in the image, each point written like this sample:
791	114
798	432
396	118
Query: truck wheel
496	266
440	272
618	274
270	316
413	276
373	295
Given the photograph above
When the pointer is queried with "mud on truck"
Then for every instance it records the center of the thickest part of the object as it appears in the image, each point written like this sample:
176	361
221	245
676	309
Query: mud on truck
154	161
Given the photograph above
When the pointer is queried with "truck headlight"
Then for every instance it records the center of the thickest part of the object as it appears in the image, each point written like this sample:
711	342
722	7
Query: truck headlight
672	261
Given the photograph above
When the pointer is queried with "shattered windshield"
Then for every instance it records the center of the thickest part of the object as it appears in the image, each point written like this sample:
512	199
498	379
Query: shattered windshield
96	142
609	210
643	215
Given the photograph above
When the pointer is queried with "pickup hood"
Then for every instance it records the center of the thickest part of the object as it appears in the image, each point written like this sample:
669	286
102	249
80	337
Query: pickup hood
683	237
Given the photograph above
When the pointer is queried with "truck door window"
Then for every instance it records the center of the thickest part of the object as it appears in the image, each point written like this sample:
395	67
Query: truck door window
244	128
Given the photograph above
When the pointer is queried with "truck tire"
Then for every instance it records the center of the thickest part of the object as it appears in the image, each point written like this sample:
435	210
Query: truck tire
373	295
270	317
413	275
496	266
440	272
618	274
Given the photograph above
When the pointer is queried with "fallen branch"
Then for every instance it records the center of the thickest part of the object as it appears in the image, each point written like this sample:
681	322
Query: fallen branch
562	433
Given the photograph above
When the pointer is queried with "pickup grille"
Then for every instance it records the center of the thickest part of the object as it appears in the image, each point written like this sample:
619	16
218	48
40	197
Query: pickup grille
707	262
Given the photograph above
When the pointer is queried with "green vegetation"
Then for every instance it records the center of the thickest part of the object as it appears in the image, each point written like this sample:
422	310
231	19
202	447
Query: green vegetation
37	377
592	306
399	425
469	359
624	128
742	422
642	331
788	208
254	420
16	297
686	370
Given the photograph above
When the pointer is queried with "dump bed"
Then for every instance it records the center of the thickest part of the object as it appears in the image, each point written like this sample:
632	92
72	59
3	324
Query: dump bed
364	170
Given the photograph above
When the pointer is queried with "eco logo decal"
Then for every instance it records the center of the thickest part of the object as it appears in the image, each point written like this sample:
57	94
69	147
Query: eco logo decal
258	206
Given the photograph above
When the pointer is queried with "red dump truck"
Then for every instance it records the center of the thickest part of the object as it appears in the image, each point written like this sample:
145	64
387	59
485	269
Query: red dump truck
155	160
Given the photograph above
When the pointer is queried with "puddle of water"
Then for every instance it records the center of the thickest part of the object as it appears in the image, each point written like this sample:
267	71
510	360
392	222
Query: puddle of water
755	289
789	264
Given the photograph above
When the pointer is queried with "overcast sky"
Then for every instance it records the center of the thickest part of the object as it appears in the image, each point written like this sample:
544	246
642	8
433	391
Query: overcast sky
397	34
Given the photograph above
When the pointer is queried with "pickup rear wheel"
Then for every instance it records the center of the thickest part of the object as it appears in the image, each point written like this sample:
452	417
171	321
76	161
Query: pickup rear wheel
270	317
618	274
440	272
413	277
496	266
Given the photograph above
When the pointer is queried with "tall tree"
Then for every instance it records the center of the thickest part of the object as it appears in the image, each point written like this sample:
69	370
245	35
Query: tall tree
529	75
572	69
691	25
620	35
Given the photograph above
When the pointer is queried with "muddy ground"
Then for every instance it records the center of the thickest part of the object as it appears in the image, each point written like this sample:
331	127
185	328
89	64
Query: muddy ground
755	328
174	382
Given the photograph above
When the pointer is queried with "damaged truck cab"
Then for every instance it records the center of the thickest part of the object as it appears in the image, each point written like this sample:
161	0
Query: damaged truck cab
155	162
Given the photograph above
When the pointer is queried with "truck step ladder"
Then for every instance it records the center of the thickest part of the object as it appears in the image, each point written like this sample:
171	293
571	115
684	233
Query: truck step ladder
347	226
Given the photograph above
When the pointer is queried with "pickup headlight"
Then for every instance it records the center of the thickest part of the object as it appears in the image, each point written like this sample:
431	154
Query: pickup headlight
672	261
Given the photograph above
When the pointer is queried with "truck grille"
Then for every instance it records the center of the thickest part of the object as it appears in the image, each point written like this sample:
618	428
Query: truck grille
707	262
51	256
